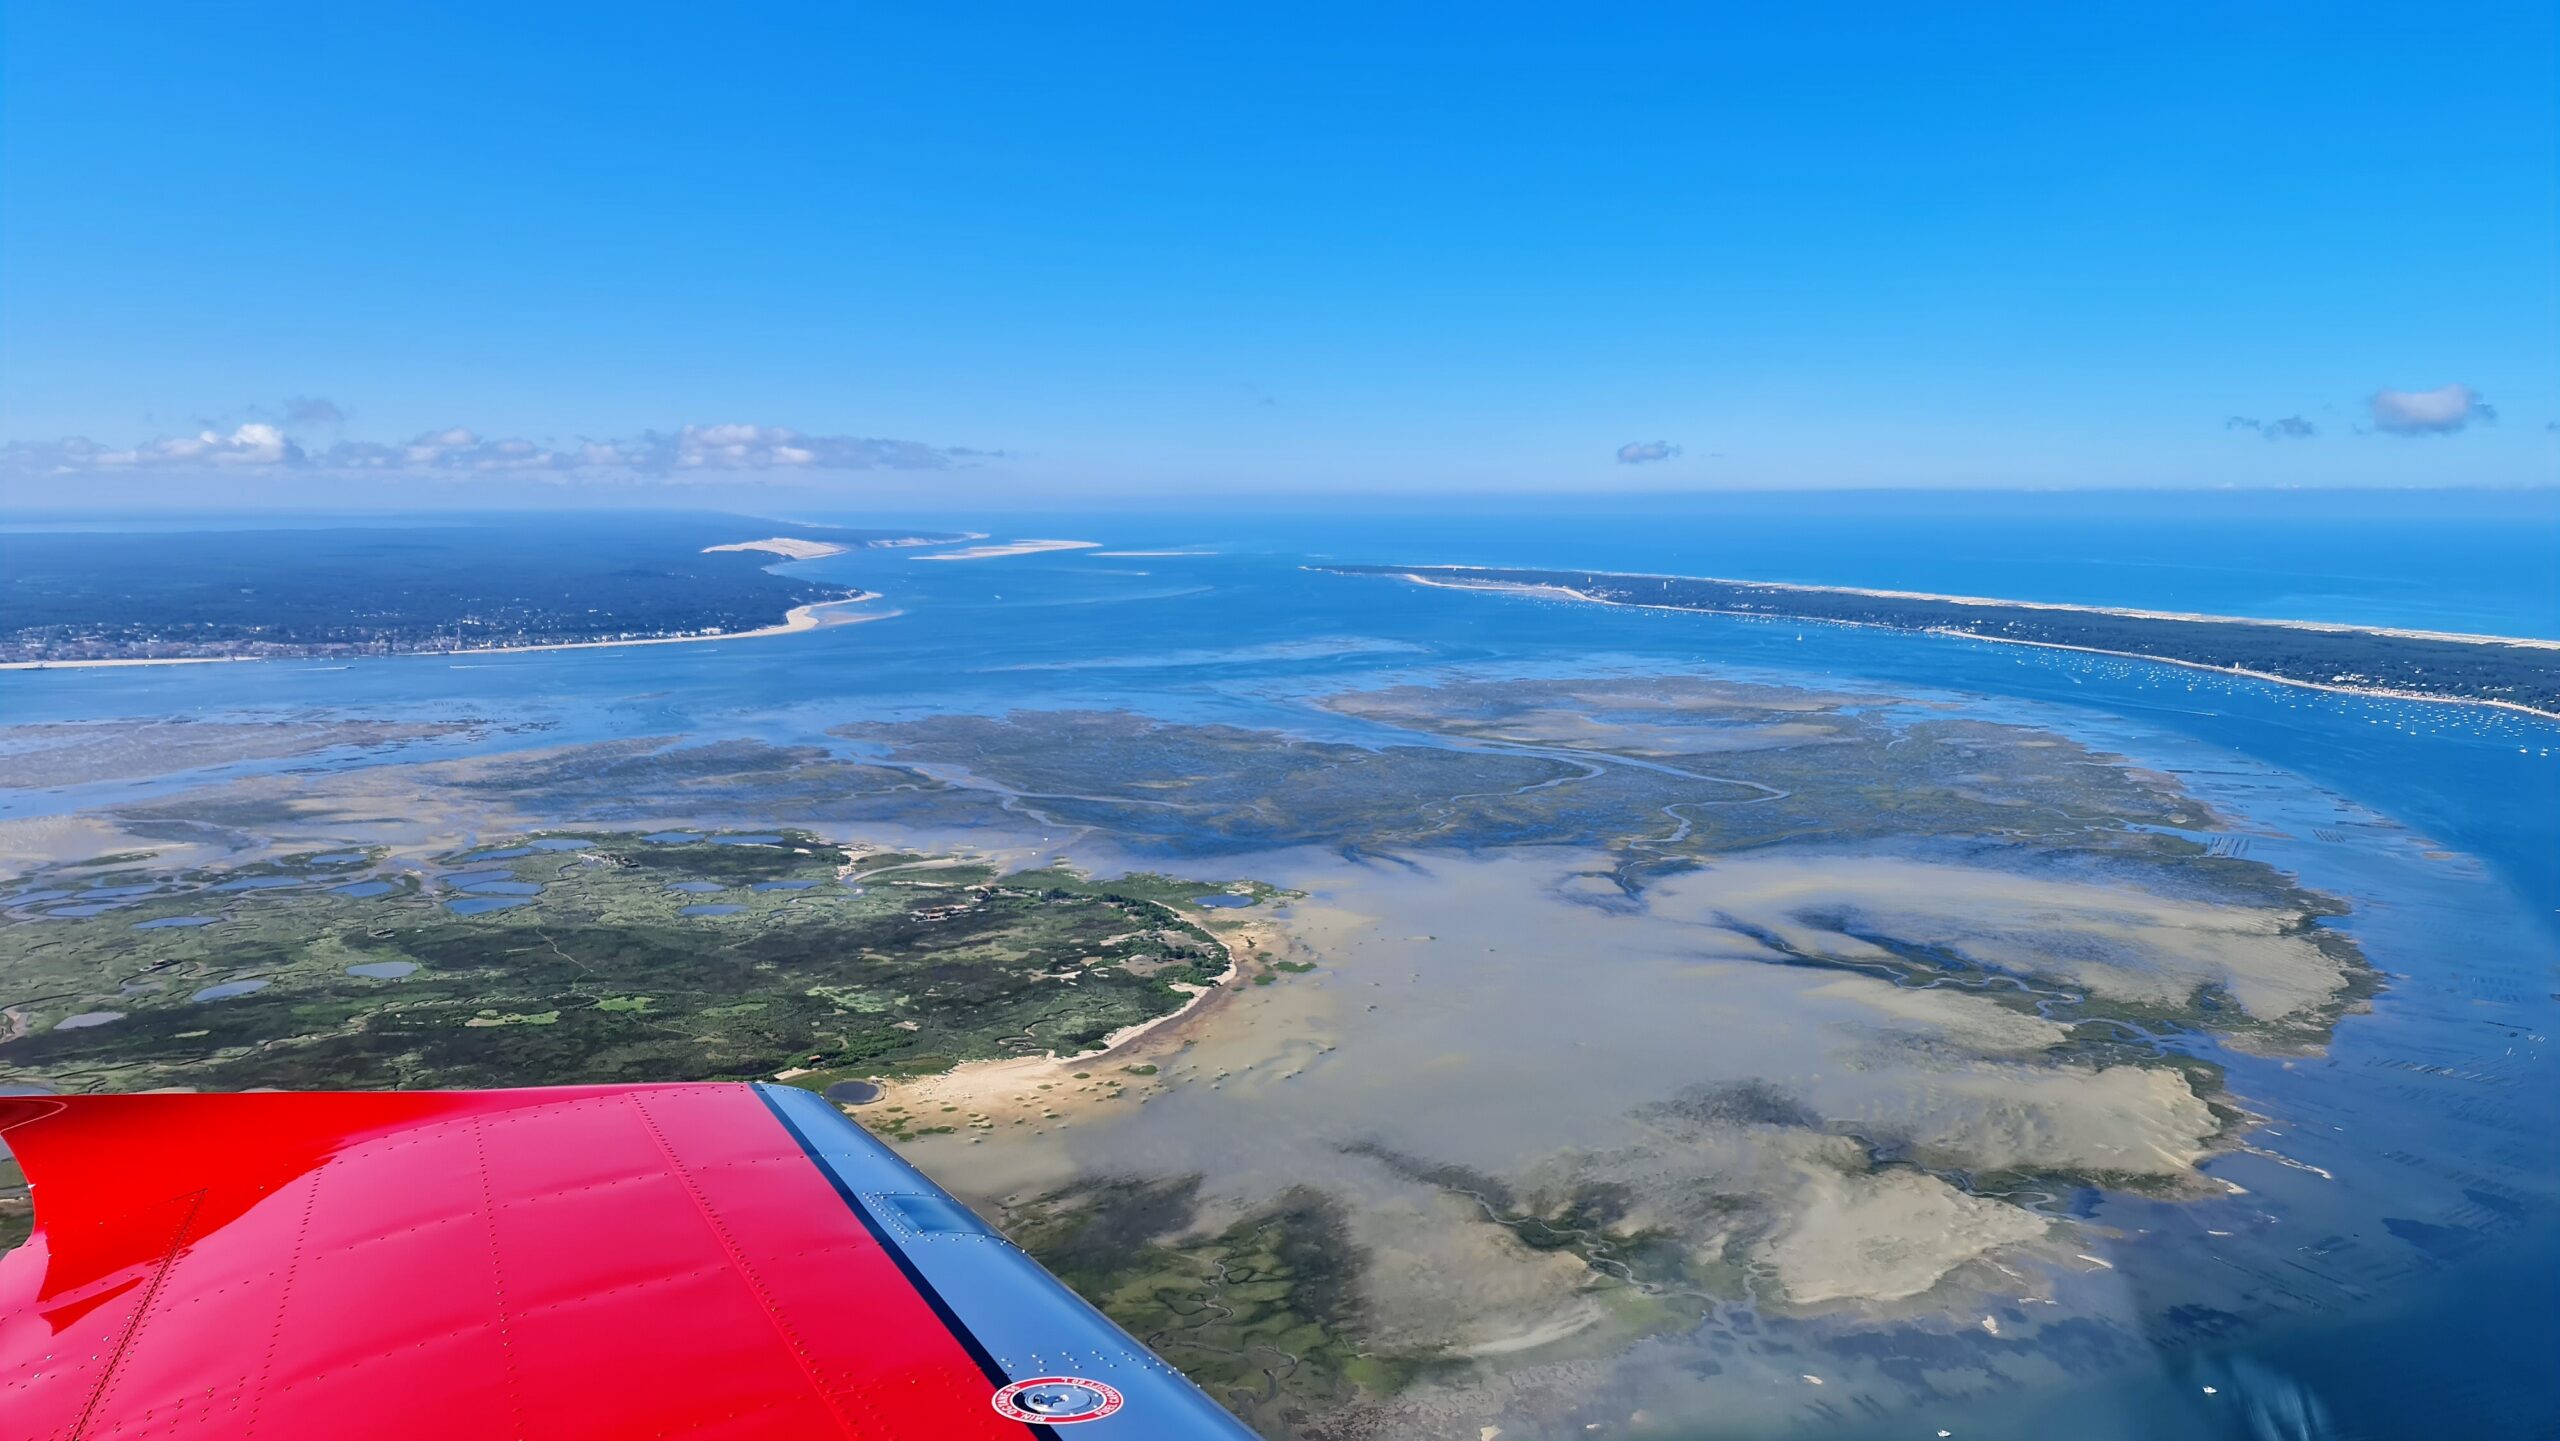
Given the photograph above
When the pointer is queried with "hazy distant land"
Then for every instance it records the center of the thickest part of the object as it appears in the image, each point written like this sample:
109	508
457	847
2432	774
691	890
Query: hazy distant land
2512	672
512	583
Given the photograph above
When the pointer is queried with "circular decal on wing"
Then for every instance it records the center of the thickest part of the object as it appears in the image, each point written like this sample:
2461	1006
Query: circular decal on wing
1057	1400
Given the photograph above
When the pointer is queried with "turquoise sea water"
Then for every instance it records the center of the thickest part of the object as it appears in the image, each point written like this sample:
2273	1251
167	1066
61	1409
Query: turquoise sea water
2403	1286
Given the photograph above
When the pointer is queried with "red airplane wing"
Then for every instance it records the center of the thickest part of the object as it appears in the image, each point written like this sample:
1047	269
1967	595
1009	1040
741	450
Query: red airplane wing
696	1261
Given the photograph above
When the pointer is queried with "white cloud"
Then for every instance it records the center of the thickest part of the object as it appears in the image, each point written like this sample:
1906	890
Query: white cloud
691	451
462	449
2441	411
696	449
1640	452
2287	427
252	445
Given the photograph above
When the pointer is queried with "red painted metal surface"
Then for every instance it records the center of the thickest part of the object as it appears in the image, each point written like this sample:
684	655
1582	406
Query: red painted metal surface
657	1261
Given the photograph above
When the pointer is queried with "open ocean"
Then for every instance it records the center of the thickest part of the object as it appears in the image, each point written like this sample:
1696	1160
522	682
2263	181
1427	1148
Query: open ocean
2409	1293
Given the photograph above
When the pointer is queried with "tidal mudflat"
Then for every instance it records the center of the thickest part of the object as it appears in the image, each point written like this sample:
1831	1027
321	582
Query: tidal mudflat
1637	1004
1465	1050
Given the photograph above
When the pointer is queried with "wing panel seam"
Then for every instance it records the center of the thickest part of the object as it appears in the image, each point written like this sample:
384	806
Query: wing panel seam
906	1265
284	1298
745	1271
141	1316
497	1272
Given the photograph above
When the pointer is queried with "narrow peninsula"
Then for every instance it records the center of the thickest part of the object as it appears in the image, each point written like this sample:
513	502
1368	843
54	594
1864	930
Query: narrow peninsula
2514	673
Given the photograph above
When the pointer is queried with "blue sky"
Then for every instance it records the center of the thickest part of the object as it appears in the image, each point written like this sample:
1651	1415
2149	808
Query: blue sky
1056	252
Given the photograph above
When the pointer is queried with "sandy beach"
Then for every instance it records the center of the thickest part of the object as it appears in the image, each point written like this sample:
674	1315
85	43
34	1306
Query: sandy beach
910	542
1011	547
1051	1088
782	545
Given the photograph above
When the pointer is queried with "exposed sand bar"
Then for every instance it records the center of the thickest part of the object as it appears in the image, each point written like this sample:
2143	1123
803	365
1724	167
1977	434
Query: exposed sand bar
1675	1066
795	548
814	616
910	542
1011	547
782	545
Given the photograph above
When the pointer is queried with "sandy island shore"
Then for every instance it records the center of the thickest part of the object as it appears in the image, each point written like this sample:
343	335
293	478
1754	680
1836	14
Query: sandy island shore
813	616
1565	592
1011	547
794	548
782	545
1045	1090
910	542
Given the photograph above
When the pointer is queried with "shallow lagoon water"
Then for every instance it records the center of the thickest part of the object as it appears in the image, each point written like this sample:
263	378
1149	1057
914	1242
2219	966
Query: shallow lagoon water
481	905
2379	1247
382	970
